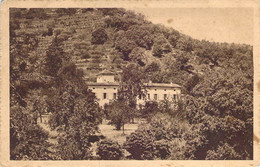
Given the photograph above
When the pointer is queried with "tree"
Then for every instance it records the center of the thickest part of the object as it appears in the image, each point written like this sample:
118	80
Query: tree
33	13
140	144
157	51
173	38
28	141
164	137
218	108
121	19
118	113
66	11
210	52
75	112
192	82
99	36
125	46
138	55
54	58
185	44
161	46
149	110
131	86
141	35
225	152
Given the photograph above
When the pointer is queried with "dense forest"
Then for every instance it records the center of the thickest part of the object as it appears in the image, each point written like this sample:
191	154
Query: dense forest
55	52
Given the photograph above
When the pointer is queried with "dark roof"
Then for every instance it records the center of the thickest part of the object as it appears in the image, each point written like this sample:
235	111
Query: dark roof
106	72
146	84
103	83
168	85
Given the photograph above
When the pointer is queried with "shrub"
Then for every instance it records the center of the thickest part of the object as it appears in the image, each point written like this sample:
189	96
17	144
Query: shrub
109	150
162	148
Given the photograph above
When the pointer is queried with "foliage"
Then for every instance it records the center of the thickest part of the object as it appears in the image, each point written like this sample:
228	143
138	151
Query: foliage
161	46
218	109
138	55
192	82
135	36
54	58
224	152
185	43
75	112
131	86
149	109
125	46
99	36
118	113
140	144
27	140
163	138
217	80
49	83
36	13
173	38
121	19
141	35
109	150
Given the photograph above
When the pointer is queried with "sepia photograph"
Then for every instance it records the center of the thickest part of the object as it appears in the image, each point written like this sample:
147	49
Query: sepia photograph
123	83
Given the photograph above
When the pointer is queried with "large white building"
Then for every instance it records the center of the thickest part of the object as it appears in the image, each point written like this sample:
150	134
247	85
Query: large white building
106	89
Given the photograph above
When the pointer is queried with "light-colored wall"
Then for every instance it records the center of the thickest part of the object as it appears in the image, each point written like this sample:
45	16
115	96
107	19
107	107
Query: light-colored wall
160	91
110	90
100	90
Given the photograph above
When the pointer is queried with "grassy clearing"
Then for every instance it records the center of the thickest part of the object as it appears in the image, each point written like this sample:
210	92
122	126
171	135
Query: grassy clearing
110	132
107	130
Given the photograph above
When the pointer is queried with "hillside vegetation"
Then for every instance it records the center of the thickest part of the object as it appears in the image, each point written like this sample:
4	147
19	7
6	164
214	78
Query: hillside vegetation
53	52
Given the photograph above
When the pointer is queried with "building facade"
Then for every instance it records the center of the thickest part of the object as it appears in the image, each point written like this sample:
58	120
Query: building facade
106	89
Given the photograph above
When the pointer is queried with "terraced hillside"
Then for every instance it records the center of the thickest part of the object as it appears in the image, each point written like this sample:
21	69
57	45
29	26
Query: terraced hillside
53	52
124	37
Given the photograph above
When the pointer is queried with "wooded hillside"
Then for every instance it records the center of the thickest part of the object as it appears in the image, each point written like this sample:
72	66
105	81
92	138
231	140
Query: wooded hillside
53	51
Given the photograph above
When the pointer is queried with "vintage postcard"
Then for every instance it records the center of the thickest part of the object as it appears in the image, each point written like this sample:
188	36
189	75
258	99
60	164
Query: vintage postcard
130	83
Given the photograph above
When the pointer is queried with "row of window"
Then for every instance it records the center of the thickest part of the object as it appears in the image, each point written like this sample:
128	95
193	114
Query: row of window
155	96
105	95
104	88
154	89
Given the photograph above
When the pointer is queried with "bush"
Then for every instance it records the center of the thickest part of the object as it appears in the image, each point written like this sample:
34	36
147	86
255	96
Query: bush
162	148
109	150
